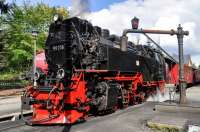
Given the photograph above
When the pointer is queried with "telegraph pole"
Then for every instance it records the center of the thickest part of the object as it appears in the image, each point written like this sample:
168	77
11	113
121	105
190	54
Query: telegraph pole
179	33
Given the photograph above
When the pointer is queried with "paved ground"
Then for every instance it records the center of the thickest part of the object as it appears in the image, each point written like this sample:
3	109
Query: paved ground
132	119
11	92
179	117
9	105
193	94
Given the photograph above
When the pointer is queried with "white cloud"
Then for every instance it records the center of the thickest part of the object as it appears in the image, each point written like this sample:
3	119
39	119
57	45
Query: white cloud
157	14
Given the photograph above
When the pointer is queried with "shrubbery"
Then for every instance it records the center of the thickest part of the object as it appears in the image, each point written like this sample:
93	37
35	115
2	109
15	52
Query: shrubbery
16	38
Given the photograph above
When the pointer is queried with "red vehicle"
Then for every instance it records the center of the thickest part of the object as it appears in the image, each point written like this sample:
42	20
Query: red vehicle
41	67
191	75
173	74
196	76
41	62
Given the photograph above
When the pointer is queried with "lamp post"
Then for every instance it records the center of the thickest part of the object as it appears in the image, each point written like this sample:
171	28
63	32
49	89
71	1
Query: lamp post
179	33
34	34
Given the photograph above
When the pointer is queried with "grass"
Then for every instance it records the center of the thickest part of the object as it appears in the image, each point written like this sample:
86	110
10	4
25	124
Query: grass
156	127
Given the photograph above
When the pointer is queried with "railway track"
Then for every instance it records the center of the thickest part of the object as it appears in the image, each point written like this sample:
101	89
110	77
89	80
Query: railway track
11	124
13	120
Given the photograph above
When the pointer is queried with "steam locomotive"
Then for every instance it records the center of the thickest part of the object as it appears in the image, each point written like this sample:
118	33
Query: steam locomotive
89	74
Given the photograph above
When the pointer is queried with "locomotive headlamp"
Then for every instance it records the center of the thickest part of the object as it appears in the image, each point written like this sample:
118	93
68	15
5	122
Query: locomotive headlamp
60	73
37	75
57	17
135	23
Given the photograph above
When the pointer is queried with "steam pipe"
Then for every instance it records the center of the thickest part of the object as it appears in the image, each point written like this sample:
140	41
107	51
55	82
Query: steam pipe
180	34
170	32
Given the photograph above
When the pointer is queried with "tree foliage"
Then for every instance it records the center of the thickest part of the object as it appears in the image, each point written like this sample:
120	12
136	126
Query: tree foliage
4	7
18	24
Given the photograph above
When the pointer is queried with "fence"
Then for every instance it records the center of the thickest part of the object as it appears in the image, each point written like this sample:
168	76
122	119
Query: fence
5	84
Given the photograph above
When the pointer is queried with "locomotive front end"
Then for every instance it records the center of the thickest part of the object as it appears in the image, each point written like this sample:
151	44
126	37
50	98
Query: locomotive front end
60	98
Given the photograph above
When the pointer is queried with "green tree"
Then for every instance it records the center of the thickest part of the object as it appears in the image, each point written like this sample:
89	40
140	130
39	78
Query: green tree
4	7
19	22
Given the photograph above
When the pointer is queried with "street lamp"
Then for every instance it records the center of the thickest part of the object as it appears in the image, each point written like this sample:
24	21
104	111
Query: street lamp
34	34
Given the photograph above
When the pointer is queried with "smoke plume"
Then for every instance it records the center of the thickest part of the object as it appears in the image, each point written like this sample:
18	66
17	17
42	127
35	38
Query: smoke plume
79	8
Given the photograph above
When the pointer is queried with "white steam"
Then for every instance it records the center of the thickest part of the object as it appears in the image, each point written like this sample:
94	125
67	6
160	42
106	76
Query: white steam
79	8
169	93
159	97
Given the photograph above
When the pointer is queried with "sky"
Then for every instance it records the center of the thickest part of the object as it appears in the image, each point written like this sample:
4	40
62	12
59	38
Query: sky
95	5
116	15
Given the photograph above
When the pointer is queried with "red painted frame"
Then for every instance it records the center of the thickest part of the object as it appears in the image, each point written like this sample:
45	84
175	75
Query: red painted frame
55	114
